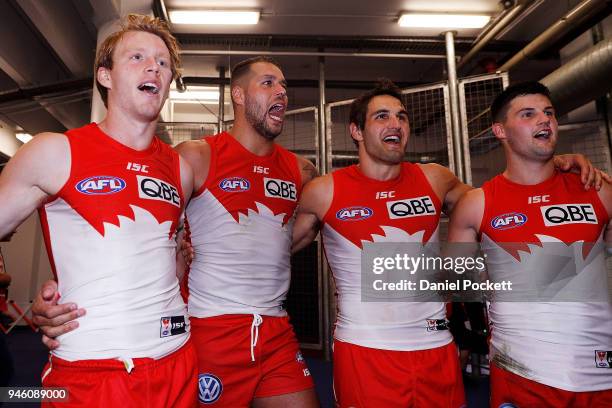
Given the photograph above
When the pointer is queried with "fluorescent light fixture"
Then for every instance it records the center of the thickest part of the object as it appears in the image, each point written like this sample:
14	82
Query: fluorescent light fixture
217	17
430	20
23	137
196	93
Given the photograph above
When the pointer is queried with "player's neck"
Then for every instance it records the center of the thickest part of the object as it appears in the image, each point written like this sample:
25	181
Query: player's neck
529	172
377	170
128	131
250	138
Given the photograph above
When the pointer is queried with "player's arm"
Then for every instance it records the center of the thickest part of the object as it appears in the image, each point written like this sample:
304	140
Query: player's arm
578	163
605	195
38	170
447	186
314	203
307	170
196	154
466	217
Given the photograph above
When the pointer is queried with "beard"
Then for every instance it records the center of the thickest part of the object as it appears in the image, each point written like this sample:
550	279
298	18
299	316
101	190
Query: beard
256	117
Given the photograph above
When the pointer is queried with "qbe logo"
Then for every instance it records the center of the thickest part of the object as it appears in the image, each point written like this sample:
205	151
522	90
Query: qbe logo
234	185
277	188
210	388
411	207
508	220
563	214
354	213
99	185
151	188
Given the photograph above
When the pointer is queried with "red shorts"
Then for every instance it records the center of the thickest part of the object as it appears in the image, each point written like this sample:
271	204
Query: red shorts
516	391
170	381
365	377
228	375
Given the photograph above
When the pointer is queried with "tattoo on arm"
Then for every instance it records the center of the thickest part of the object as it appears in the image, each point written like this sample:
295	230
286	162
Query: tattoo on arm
309	171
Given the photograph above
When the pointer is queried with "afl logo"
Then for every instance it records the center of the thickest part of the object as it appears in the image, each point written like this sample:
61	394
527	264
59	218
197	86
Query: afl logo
209	388
235	185
354	213
509	220
97	185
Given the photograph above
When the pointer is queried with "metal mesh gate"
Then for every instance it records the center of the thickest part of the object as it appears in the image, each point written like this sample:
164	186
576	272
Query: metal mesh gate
174	133
483	154
428	112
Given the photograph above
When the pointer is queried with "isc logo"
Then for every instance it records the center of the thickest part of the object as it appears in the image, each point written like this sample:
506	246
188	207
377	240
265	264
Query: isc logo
100	185
354	213
562	214
235	185
412	207
276	188
151	188
509	220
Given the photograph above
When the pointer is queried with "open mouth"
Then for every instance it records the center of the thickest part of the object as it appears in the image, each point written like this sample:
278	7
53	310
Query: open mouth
392	139
277	112
543	134
149	87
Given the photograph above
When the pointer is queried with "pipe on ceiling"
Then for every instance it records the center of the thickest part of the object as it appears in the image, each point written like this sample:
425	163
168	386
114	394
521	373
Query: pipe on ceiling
507	17
582	11
313	54
582	79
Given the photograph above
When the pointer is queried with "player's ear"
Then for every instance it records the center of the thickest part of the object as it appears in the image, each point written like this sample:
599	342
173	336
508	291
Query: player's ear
356	133
237	95
104	78
499	130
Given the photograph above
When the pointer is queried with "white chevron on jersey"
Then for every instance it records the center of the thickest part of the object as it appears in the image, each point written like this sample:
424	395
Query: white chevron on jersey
125	293
239	267
552	343
382	325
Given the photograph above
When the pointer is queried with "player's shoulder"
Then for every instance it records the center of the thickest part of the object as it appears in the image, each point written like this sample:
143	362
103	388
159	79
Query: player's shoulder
435	170
193	149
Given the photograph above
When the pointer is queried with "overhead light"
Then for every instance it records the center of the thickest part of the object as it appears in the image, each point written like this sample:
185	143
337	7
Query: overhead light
196	93
430	20
23	137
217	17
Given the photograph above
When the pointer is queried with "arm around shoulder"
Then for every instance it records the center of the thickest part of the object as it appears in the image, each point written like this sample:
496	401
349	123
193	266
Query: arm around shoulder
314	203
466	217
39	169
446	185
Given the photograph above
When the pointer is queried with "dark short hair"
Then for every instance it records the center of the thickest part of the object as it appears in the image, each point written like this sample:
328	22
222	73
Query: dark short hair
499	107
359	107
243	67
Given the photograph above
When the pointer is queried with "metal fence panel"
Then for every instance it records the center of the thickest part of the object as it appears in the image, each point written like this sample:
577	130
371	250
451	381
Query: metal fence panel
483	154
428	112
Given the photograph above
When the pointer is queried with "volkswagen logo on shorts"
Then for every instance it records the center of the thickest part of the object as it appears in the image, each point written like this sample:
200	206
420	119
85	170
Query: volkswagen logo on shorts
209	388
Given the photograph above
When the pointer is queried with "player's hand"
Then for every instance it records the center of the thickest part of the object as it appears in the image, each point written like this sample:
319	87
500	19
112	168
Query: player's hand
54	319
187	251
578	163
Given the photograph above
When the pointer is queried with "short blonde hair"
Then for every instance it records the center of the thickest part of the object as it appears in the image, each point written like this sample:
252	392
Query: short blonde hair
136	22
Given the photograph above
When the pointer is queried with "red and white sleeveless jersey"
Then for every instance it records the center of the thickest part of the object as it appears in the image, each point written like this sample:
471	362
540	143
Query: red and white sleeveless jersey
109	233
559	344
241	221
362	211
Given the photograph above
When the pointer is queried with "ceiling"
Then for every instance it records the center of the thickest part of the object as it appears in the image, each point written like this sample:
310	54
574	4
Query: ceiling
48	47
